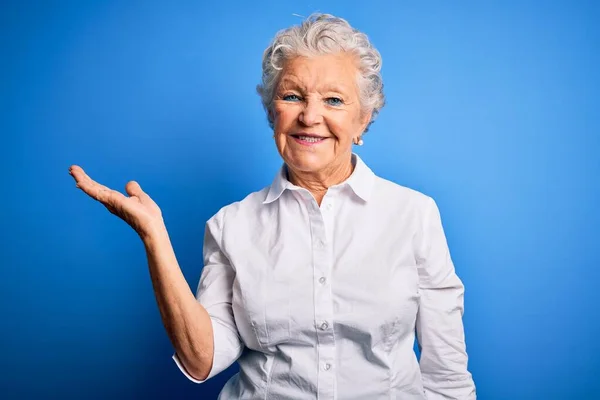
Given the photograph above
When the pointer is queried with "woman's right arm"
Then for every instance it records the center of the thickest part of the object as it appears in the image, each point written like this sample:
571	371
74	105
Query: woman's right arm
186	321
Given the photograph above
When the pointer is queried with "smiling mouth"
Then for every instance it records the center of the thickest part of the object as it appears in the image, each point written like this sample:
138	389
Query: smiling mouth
308	139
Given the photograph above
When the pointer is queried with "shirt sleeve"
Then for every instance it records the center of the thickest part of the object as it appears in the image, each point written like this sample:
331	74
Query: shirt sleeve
439	325
215	291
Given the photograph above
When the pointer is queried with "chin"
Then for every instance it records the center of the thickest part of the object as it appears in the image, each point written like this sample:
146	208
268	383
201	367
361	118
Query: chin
307	162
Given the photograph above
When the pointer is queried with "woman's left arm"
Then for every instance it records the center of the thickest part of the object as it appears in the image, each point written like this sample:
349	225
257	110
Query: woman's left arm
440	331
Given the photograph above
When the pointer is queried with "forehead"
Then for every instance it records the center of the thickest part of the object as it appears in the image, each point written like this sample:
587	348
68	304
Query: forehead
323	72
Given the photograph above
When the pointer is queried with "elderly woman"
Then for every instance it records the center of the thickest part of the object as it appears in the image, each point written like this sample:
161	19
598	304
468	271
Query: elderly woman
316	284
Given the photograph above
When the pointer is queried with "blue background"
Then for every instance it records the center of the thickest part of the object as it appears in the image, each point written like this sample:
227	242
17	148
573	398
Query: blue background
491	109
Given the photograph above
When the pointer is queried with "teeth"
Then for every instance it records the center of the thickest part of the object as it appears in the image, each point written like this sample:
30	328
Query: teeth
309	139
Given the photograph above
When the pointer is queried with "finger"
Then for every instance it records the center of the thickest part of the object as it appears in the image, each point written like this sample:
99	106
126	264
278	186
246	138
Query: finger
106	196
79	175
134	189
94	189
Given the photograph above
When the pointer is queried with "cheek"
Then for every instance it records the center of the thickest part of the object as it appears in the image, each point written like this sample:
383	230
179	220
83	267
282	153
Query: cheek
283	116
343	127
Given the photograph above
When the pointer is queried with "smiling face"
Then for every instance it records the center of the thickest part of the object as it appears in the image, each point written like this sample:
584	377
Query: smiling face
317	114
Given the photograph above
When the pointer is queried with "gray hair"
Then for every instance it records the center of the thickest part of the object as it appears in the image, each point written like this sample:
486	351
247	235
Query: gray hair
324	34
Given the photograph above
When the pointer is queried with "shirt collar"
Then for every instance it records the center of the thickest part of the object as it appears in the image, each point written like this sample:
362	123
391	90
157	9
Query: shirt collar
361	181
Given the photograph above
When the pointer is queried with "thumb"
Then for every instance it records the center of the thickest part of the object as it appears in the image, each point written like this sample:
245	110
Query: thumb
134	189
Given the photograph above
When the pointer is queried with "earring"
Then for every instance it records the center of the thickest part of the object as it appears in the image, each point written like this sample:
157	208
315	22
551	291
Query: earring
358	141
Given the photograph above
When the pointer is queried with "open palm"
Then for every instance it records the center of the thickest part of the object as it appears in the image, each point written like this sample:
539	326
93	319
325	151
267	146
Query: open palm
138	210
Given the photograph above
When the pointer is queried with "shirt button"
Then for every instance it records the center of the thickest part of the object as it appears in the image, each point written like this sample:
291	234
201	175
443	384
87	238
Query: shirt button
327	367
321	243
324	326
328	206
322	280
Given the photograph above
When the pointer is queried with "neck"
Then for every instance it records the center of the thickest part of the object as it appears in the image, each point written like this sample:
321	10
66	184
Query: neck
317	183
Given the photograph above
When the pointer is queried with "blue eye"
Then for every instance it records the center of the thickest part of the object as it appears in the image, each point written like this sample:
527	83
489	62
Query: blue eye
291	97
334	101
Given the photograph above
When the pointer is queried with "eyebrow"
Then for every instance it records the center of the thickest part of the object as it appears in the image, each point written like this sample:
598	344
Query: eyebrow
287	82
329	87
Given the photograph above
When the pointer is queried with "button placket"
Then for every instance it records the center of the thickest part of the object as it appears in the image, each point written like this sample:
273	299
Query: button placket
323	302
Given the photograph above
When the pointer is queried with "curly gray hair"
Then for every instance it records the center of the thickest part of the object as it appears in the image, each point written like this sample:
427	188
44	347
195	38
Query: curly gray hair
324	34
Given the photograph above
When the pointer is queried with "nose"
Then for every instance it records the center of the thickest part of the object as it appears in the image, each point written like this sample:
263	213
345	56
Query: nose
312	113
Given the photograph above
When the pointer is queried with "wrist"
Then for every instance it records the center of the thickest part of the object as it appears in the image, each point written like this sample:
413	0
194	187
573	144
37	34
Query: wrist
155	234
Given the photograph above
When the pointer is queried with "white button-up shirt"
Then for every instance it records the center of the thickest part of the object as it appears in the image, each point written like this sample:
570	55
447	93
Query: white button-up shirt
324	302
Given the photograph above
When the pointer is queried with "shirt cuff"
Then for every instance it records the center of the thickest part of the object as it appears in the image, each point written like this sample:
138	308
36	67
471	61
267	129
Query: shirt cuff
187	374
227	349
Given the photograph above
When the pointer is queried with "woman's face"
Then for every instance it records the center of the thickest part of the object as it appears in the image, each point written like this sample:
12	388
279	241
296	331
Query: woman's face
317	112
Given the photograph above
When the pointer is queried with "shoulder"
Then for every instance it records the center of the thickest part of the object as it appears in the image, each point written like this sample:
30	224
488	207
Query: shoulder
392	193
242	209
